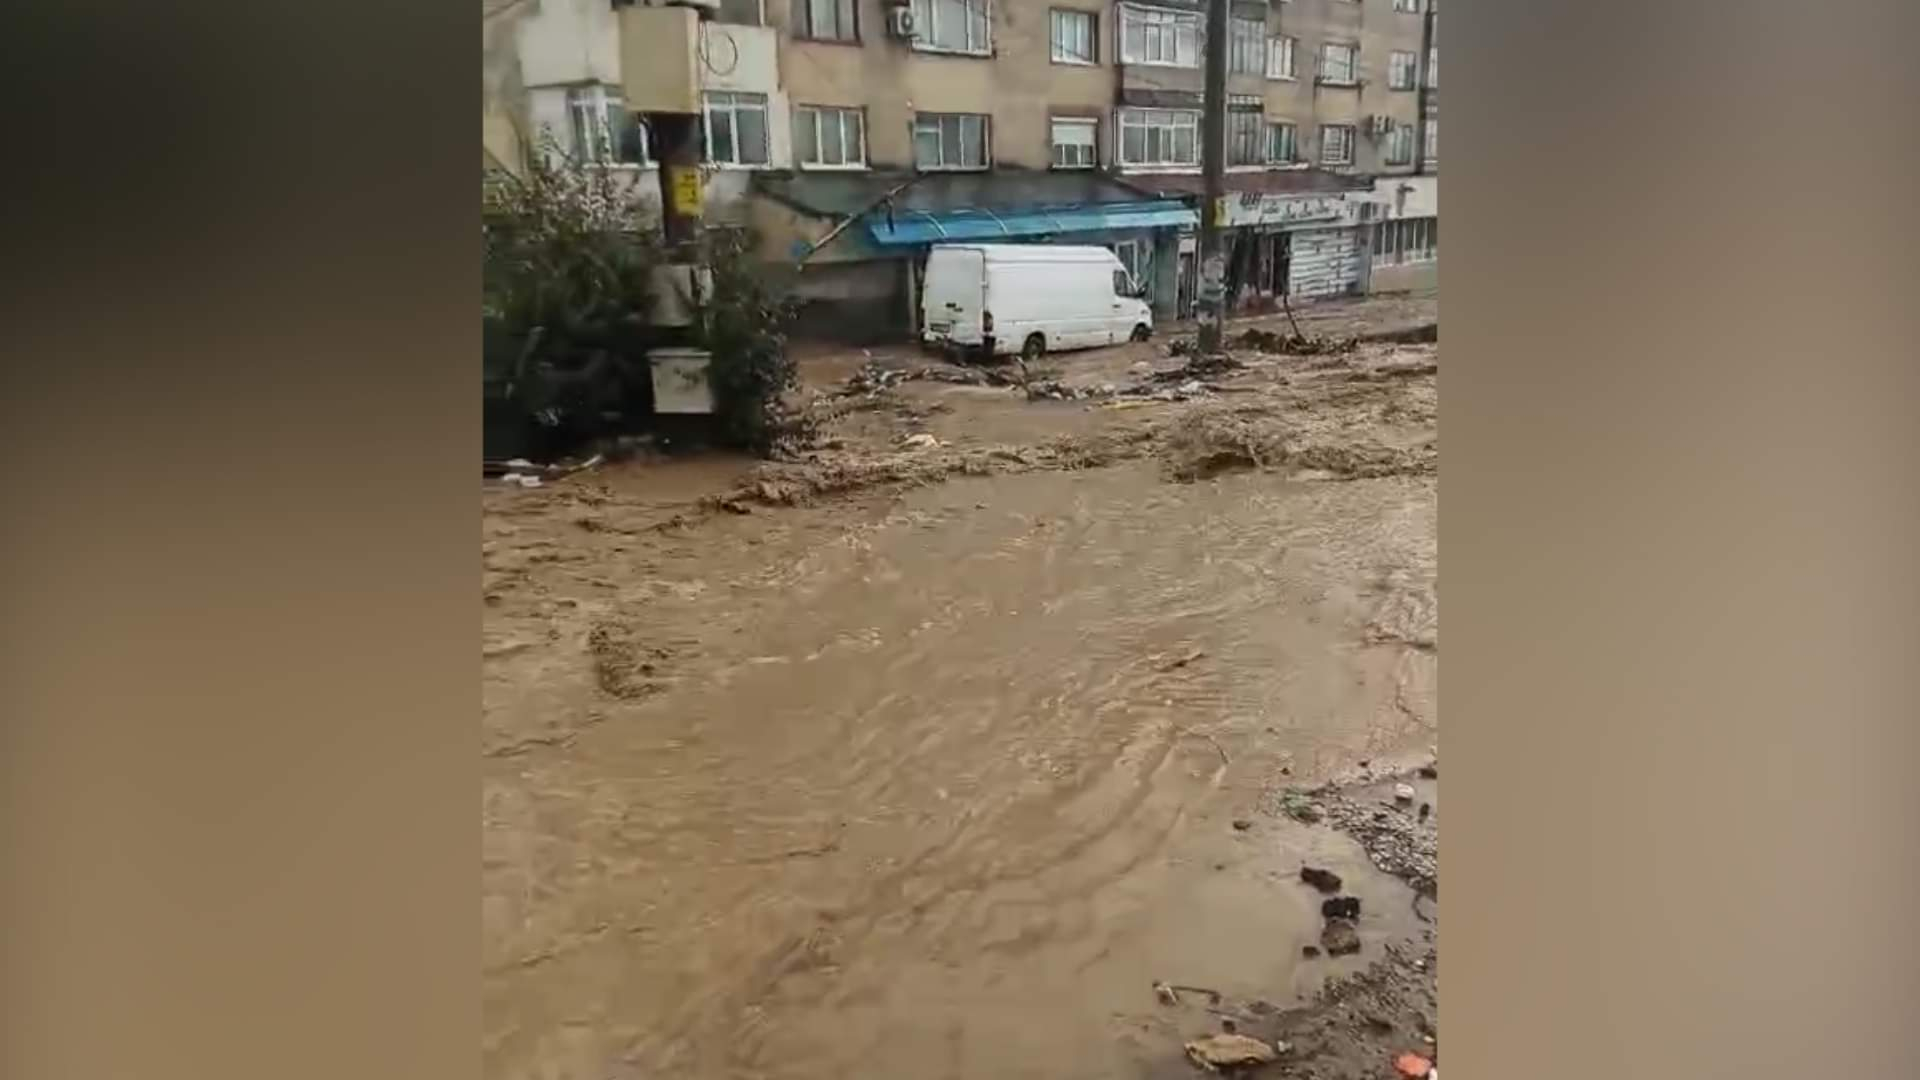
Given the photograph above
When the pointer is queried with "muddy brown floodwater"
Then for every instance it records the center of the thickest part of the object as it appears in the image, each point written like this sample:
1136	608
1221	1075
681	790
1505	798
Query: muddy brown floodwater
939	779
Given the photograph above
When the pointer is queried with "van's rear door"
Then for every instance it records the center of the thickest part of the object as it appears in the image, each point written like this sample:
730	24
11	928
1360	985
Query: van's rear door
954	294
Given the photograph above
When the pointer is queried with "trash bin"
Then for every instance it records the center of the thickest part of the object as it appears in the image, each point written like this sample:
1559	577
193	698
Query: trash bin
680	381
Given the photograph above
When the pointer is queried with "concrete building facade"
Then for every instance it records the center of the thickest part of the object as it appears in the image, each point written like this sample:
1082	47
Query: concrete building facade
851	134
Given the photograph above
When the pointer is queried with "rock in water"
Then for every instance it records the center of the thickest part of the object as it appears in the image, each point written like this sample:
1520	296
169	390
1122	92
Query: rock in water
1325	880
1216	1052
1341	907
1340	937
1403	793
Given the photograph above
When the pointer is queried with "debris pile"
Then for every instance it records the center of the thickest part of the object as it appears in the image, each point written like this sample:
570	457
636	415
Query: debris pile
917	461
1230	1051
1055	390
873	378
1399	841
1295	344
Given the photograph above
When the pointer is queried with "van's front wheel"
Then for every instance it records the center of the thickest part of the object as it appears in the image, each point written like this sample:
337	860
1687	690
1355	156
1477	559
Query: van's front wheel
1034	348
1140	332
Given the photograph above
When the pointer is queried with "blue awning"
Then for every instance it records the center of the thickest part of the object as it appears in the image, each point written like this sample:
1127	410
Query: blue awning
922	227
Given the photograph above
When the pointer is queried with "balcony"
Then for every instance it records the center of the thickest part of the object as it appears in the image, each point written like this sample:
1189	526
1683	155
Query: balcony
660	59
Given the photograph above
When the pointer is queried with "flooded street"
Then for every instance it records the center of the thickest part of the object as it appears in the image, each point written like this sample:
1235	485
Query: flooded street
938	777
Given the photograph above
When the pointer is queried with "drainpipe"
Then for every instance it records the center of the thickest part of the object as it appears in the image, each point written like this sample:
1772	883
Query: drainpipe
1424	91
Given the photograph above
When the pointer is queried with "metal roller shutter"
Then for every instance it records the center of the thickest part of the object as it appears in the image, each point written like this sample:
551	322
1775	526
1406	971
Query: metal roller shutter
1326	262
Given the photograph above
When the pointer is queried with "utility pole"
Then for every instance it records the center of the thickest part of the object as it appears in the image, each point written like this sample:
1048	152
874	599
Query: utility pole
676	138
1213	151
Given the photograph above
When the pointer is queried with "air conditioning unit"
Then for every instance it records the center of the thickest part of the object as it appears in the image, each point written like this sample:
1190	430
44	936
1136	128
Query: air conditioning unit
1380	125
900	21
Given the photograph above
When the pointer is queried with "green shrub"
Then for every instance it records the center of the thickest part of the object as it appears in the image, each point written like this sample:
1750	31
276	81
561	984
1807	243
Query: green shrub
569	251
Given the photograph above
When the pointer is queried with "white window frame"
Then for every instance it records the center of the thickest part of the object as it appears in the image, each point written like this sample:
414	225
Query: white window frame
1399	148
934	121
1403	70
1176	32
1170	123
1091	125
1433	67
815	118
1280	52
926	24
735	102
1274	127
1430	152
1350	137
1249	129
1246	45
1060	18
1412	6
1406	241
1327	49
805	29
590	111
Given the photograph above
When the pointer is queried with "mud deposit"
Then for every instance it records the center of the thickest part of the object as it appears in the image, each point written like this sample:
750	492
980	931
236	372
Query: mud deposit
927	760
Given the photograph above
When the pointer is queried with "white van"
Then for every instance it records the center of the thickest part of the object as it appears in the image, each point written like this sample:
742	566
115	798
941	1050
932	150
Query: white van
1001	299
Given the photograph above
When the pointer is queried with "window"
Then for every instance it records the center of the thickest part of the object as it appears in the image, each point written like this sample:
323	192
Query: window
1280	57
604	132
741	12
1407	5
1073	143
1336	144
1133	255
1400	67
1246	138
1400	145
951	26
1433	140
1159	137
1246	44
1073	37
949	141
736	128
1433	67
1336	63
1406	240
825	137
1159	36
1280	144
826	20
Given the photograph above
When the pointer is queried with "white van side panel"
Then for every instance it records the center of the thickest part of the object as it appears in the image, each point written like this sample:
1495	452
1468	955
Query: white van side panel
1069	303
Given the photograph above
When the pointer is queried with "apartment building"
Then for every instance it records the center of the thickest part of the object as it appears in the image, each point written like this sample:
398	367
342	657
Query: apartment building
855	133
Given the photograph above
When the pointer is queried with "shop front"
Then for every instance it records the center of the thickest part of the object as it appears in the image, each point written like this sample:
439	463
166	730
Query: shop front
1297	245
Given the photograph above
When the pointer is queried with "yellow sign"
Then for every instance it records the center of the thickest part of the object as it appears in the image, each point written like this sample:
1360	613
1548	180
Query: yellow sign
686	191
